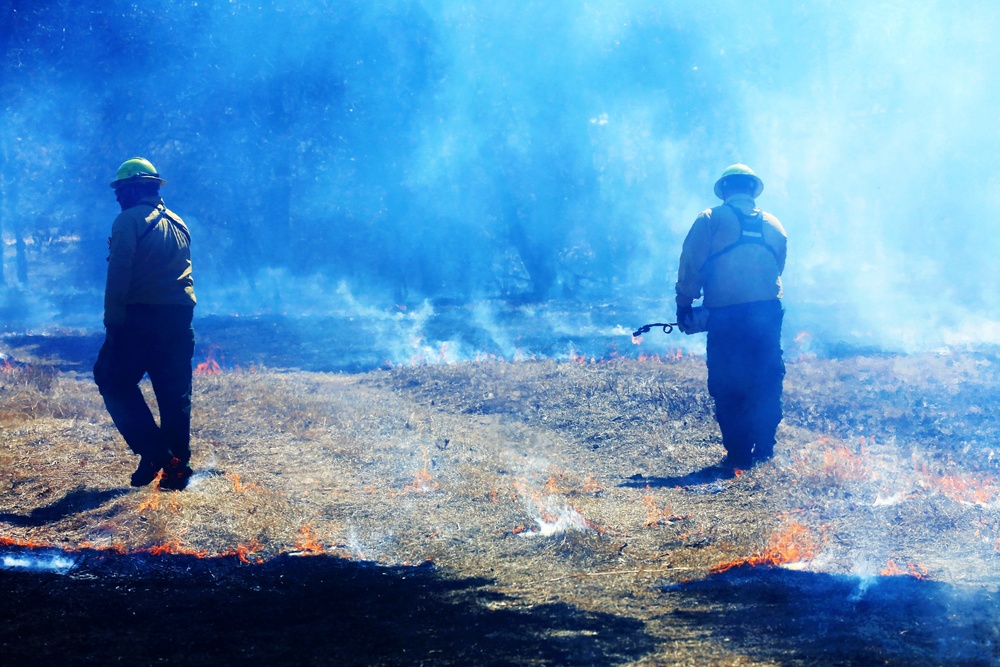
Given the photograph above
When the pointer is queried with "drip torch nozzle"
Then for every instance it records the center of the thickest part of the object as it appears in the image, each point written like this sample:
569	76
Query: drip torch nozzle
667	328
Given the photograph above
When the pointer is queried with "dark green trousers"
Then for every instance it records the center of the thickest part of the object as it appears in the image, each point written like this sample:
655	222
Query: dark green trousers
156	340
745	374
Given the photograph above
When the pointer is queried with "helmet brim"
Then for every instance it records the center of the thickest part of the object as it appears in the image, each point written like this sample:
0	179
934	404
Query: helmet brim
138	178
758	185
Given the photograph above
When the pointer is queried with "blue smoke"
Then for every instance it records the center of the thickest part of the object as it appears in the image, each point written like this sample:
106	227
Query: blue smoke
526	152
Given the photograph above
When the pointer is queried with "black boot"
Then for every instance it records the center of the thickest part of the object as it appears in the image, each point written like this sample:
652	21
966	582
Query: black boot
147	470
175	475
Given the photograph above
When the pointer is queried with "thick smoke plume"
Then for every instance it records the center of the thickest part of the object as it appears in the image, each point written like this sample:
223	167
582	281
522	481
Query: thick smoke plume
522	153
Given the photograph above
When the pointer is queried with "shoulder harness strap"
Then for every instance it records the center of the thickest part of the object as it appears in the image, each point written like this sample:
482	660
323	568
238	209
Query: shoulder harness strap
751	231
161	212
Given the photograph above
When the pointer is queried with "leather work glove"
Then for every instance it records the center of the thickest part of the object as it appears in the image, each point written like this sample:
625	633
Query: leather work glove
685	317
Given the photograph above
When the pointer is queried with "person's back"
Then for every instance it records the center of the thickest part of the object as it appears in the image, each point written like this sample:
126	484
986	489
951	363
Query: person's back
148	308
150	259
733	257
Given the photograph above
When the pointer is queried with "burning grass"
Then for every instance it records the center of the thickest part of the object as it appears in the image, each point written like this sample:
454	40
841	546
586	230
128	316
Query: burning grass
580	488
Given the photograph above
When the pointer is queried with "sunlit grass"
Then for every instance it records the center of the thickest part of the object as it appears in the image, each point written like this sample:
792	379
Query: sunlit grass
554	479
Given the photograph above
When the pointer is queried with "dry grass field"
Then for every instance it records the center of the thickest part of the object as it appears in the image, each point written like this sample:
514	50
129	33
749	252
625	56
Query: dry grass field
523	513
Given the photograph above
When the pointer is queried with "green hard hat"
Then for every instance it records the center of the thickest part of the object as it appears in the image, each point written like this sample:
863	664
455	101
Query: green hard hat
135	170
739	169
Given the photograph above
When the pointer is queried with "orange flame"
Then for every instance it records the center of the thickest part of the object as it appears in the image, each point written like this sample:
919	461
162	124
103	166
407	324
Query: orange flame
245	552
210	366
841	462
10	542
422	481
307	542
174	548
240	487
794	544
673	354
151	503
656	516
963	488
891	569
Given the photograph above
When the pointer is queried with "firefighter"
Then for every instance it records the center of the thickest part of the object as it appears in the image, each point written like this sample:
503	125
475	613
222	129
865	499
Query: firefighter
148	306
733	256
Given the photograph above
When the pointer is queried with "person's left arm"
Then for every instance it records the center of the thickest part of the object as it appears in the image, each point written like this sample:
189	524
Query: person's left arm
120	260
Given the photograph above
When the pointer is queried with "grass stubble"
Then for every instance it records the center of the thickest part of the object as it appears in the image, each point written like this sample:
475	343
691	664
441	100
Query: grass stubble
568	482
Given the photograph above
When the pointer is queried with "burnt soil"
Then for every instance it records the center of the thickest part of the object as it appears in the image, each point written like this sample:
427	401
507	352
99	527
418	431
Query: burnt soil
528	512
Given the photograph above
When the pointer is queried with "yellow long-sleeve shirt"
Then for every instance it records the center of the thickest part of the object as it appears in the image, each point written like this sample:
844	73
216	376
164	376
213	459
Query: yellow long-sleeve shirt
150	260
746	273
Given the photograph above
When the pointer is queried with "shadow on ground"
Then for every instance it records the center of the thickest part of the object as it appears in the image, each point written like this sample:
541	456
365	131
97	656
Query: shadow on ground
710	475
775	614
74	502
144	609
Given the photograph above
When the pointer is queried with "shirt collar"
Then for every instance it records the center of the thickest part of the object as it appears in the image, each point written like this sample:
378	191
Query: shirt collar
742	201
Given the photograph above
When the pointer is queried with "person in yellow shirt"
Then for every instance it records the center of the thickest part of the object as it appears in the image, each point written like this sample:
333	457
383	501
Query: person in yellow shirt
148	308
733	258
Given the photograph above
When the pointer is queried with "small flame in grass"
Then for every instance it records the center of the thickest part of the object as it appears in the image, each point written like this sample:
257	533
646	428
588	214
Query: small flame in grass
247	553
656	516
210	366
151	503
832	458
892	569
673	354
555	483
307	544
240	487
173	547
795	543
422	482
842	463
963	488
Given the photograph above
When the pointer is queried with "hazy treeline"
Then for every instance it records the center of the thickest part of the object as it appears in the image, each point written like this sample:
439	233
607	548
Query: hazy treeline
421	148
524	150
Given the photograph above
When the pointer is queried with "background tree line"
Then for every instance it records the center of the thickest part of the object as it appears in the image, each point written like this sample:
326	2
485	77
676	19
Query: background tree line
413	149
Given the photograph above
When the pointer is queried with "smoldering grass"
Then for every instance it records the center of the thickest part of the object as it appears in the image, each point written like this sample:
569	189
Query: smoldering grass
308	463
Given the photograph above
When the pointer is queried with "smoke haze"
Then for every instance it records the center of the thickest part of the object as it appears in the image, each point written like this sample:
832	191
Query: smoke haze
398	158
